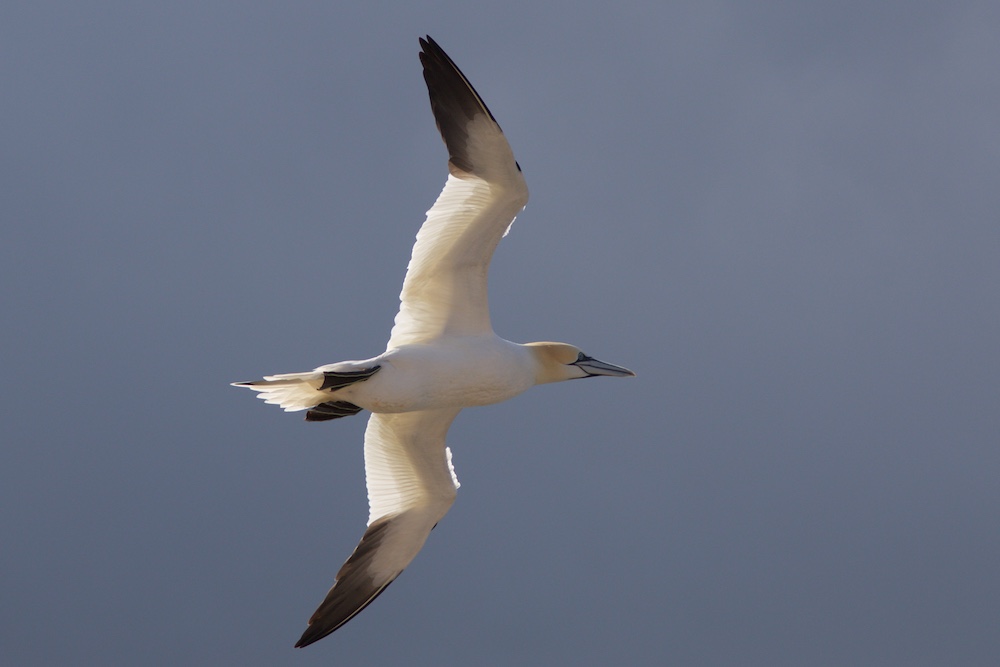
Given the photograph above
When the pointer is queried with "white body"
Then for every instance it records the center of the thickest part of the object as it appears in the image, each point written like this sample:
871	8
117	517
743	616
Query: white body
453	372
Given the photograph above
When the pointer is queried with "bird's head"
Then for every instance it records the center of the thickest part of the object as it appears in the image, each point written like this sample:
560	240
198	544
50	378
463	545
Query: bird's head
560	361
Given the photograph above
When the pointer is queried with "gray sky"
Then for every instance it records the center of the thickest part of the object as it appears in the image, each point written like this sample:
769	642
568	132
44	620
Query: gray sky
783	216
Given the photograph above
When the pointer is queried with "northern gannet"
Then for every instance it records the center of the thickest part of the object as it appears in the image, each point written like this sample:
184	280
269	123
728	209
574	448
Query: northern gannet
442	354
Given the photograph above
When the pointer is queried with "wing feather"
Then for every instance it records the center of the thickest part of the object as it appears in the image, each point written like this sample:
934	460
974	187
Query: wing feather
407	464
411	486
445	290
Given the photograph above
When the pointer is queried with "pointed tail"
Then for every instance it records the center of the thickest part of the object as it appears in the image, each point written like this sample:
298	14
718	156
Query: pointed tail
291	391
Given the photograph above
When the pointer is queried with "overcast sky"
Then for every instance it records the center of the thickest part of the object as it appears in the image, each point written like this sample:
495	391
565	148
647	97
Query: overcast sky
784	216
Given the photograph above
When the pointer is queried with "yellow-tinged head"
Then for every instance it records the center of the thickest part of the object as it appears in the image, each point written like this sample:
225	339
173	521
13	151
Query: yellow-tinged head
560	361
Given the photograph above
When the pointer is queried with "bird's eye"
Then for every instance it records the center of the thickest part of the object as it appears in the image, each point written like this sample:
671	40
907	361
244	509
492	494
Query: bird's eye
581	357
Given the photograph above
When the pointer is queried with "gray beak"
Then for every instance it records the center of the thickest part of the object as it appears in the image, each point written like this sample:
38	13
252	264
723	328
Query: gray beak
593	367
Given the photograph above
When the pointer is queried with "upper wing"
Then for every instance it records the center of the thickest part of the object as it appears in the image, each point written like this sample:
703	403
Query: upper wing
445	286
411	485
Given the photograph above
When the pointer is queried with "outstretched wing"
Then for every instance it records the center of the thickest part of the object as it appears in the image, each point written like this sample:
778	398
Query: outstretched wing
445	287
411	485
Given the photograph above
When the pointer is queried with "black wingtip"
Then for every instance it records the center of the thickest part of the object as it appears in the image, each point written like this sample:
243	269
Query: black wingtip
315	631
427	47
354	588
454	102
310	636
303	642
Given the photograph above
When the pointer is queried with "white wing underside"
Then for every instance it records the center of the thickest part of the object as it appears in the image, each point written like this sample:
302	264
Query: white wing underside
411	485
445	292
407	465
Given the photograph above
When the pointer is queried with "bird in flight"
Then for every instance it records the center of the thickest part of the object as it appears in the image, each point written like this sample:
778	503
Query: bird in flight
442	353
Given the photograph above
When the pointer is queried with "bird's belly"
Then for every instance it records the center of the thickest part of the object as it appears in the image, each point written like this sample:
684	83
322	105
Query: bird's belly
429	382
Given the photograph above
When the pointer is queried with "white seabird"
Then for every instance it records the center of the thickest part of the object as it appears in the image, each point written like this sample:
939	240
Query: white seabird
442	354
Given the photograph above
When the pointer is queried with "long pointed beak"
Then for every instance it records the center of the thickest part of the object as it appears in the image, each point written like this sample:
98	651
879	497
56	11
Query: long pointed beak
592	367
